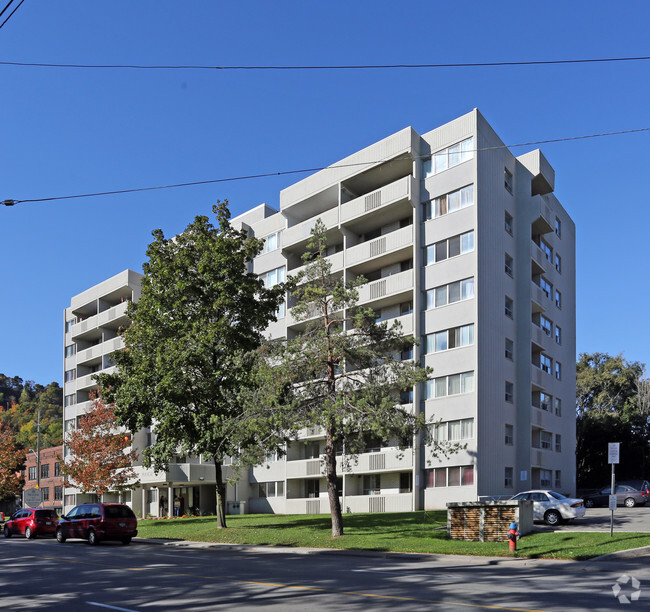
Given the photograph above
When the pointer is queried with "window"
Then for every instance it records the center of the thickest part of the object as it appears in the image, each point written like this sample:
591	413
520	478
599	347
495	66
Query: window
510	349
545	401
70	375
272	242
452	247
282	311
32	473
545	363
558	299
58	493
70	424
273	277
269	489
451	202
405	308
69	400
509	264
57	469
462	429
46	493
558	263
453	384
508	477
558	334
70	350
545	438
69	324
449	157
311	488
558	227
558	443
510	435
449	339
457	476
507	180
545	478
558	370
546	249
546	325
510	392
406	482
508	224
509	307
371	484
448	294
558	406
45	470
546	287
558	479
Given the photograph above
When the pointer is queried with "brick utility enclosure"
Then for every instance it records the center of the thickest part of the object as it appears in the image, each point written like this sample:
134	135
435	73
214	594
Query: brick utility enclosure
488	521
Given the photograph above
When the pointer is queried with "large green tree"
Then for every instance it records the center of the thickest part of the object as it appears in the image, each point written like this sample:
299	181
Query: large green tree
343	372
610	408
200	312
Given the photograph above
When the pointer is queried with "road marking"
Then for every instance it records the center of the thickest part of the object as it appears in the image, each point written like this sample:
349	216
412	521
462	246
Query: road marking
99	605
281	585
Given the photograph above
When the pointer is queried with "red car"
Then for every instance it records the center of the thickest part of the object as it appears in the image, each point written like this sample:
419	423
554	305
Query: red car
31	522
96	522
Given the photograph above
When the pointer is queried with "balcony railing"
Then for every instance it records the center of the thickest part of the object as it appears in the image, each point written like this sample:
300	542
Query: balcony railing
388	243
381	198
384	287
115	312
302	231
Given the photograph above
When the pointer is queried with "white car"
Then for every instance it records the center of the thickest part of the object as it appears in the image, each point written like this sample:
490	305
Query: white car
552	507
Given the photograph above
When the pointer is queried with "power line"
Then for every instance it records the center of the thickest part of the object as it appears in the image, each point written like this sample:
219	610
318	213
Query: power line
10	14
6	7
328	66
12	202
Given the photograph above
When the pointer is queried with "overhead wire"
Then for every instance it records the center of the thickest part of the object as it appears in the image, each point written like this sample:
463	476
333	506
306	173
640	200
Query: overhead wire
12	202
10	14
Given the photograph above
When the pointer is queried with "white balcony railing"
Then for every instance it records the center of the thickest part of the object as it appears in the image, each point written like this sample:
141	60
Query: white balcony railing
380	198
384	287
302	231
388	243
115	312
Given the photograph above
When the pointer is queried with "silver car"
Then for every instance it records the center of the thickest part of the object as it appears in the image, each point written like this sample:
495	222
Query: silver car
552	507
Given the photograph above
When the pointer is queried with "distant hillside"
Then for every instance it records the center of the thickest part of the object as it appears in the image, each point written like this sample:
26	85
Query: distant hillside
19	403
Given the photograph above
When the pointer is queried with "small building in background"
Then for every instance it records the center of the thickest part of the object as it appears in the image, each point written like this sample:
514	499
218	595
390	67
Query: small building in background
51	481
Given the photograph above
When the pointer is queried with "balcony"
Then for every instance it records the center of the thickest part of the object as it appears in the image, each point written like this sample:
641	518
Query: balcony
95	352
335	260
301	232
113	315
382	247
86	383
356	211
386	460
392	502
406	321
387	287
543	222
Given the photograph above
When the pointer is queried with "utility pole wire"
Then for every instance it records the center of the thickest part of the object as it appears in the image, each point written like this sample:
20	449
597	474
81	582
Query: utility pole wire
10	14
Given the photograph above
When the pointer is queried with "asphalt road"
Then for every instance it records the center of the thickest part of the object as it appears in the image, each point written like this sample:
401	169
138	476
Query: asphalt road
598	519
44	575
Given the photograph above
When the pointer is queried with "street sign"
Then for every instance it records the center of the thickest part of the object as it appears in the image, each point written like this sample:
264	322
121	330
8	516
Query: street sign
32	497
613	452
612	502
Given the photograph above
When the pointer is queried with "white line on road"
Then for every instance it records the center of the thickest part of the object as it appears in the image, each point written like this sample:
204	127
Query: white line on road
99	605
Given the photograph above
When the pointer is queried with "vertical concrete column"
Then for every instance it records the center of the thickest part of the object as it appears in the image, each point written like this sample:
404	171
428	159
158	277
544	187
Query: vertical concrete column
143	511
170	501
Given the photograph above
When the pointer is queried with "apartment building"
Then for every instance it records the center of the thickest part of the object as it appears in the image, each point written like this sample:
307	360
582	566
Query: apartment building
51	478
467	246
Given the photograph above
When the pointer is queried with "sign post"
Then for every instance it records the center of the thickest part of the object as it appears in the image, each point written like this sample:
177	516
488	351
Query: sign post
613	455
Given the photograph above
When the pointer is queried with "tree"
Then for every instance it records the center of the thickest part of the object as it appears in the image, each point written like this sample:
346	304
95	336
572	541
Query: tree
609	409
344	372
99	460
11	460
200	313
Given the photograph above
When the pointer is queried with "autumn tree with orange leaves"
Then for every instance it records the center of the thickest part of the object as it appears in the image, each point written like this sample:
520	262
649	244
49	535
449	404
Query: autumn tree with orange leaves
11	460
99	461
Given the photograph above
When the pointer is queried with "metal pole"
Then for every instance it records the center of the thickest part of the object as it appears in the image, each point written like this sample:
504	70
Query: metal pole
38	454
612	492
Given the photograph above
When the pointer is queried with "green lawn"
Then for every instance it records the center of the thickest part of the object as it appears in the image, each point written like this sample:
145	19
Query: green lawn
398	532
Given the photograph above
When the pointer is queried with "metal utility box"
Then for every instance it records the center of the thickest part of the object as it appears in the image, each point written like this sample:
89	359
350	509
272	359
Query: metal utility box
488	521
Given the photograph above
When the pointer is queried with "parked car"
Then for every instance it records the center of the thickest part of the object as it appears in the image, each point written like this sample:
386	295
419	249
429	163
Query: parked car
625	496
96	522
641	485
31	522
552	507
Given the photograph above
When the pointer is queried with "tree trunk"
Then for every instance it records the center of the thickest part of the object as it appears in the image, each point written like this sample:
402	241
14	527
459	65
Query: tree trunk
332	489
221	496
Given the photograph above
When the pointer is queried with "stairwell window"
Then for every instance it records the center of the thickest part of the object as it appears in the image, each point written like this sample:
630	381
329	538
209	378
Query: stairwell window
558	299
510	306
507	180
451	247
508	223
509	264
510	349
508	477
448	203
510	435
558	370
558	263
510	392
449	157
449	339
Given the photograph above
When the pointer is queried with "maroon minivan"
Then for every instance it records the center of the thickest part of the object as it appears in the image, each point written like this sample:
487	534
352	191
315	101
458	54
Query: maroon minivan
96	522
31	522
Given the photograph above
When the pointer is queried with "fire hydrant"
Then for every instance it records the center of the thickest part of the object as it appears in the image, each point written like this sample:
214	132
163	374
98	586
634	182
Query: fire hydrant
513	536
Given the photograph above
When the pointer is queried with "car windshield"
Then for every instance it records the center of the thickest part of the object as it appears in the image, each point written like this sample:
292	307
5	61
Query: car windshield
556	495
119	512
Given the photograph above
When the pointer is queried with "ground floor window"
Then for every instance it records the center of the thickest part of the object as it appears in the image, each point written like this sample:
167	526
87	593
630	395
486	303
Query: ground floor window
268	489
454	476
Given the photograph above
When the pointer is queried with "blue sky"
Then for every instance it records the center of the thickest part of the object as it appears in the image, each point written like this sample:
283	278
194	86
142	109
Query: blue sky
77	131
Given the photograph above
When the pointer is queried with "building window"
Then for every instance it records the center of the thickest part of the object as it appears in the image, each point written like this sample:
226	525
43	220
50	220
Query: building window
558	299
70	424
507	180
311	488
46	493
510	349
509	264
558	227
509	226
510	435
32	473
371	484
69	400
545	438
273	277
458	476
282	311
558	443
57	469
510	392
452	247
545	363
546	287
70	375
546	325
558	334
406	482
69	323
69	500
508	477
558	406
449	339
449	157
546	249
272	242
70	350
45	470
545	478
448	294
510	305
558	370
453	384
451	202
452	431
558	263
58	493
269	489
558	479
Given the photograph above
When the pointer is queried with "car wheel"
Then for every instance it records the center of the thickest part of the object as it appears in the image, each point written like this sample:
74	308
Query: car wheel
7	532
59	536
630	502
126	541
589	503
29	534
552	517
93	540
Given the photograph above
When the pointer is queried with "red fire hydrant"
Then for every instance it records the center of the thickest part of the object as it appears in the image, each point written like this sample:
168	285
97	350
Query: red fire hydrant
513	536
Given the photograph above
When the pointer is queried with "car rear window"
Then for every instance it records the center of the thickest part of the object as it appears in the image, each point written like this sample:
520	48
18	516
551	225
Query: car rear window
45	514
119	512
